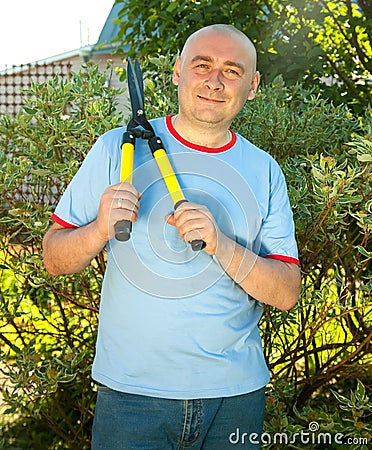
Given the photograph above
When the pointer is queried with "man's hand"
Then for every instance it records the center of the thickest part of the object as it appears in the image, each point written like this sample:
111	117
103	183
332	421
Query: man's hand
118	202
70	250
195	222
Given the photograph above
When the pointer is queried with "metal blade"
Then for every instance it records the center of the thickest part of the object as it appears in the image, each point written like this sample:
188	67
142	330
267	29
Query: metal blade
135	85
139	78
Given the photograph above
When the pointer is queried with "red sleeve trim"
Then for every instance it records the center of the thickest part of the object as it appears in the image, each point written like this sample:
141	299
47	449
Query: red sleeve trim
63	222
288	259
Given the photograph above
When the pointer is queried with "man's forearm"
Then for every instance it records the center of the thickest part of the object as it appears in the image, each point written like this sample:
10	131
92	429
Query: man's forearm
70	250
270	281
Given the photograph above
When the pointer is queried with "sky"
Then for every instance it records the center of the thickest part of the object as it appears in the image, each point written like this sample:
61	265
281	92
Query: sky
31	30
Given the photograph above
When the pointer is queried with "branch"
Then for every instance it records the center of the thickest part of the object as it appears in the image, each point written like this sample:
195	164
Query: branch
10	344
354	39
366	7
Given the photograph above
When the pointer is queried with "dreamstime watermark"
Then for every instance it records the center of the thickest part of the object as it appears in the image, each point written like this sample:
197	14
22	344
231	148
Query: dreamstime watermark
312	435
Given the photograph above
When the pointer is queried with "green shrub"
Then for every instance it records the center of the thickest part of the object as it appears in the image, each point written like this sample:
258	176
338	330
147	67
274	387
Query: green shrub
48	325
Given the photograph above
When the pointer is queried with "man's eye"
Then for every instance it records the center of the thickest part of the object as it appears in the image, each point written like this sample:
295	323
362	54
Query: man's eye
233	72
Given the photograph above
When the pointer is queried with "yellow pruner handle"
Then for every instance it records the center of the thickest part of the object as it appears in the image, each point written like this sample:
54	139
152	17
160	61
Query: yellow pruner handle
171	182
127	155
123	228
168	175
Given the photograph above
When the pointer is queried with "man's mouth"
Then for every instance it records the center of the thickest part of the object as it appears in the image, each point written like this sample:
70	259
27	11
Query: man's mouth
211	99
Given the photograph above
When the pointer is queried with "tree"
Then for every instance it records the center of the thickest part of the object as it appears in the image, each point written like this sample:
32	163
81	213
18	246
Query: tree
316	42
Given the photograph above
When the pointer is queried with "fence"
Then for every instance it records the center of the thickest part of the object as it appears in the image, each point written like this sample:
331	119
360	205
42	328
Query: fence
15	80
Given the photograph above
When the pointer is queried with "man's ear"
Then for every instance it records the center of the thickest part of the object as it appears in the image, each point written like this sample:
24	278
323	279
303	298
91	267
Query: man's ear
176	71
254	86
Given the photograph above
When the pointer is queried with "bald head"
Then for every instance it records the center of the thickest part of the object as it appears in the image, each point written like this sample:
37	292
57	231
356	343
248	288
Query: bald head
215	74
220	30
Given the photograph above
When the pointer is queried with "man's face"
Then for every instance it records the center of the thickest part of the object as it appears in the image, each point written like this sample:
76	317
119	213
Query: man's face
215	76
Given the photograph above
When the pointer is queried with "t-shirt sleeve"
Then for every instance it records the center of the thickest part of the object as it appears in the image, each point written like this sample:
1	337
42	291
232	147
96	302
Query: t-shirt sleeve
79	203
277	238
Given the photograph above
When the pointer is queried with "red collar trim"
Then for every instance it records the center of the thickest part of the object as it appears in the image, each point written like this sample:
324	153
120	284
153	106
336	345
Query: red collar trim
199	148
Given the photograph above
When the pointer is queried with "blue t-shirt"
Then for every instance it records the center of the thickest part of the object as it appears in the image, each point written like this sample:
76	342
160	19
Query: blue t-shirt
172	324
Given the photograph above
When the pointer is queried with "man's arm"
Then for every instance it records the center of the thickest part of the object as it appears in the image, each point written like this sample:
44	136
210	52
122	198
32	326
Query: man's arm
270	281
70	250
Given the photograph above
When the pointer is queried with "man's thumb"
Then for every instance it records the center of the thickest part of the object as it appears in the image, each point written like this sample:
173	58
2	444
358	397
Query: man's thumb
169	218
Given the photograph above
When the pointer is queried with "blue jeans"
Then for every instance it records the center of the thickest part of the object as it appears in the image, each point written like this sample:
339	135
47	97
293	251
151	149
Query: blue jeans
132	422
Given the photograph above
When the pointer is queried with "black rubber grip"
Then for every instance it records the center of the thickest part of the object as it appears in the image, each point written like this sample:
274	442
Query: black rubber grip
123	228
198	244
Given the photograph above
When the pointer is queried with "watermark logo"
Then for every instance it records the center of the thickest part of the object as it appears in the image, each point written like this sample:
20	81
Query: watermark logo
311	435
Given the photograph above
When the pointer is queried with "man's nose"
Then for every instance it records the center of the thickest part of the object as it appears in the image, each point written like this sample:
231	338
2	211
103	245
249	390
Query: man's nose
213	80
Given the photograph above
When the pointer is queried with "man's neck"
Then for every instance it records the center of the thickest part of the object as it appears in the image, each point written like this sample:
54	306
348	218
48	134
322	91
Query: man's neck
212	136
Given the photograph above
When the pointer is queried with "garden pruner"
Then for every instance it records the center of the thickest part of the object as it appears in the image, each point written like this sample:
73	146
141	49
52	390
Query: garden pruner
140	127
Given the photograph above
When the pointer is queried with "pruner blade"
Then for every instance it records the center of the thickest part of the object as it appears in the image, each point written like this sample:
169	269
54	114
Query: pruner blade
136	90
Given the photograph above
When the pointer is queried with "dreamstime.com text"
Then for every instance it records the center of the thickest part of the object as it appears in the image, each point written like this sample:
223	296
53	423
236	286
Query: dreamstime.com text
305	437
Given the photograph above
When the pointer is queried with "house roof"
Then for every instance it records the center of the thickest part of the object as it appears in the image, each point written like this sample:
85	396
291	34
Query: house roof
110	29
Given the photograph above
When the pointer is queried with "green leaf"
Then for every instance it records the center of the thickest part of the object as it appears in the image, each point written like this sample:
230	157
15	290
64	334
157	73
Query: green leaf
364	252
40	172
67	378
361	390
29	110
365	158
341	399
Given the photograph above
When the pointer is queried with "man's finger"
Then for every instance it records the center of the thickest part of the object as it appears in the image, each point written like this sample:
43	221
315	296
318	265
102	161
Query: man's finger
169	218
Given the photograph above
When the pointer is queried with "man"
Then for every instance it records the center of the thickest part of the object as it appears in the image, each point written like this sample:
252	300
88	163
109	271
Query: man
179	360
